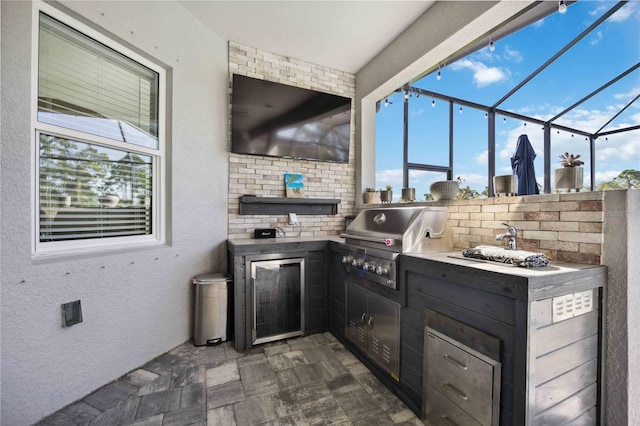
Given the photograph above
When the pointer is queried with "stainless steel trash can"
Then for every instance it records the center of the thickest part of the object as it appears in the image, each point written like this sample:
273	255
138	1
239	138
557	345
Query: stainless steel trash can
210	313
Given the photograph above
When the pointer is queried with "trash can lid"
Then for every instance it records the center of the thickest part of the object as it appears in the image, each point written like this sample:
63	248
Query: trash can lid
209	278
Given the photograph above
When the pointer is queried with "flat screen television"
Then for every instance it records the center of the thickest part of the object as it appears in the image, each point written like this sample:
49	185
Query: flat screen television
279	120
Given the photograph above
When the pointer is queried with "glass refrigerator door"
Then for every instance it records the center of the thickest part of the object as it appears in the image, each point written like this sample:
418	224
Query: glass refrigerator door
278	299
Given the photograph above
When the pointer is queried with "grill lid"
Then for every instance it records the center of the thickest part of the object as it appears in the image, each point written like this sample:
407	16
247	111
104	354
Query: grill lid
401	229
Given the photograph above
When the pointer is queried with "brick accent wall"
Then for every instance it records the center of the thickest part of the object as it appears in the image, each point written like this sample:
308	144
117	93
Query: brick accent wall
264	176
565	227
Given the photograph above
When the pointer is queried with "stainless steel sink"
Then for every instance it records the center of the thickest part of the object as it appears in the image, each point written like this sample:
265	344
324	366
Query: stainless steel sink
502	256
485	261
470	259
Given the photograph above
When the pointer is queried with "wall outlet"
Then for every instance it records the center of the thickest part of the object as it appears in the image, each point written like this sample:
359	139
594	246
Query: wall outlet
71	313
293	219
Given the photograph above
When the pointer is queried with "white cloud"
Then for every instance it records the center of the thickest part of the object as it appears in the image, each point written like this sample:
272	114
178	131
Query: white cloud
539	23
482	74
624	97
622	147
473	179
512	54
482	157
417	113
596	38
484	54
391	177
607	176
625	12
630	9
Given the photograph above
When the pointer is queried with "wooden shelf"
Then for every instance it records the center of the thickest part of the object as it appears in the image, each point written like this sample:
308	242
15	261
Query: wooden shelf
252	204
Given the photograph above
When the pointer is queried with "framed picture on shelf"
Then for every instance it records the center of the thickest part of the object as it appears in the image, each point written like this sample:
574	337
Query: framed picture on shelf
294	185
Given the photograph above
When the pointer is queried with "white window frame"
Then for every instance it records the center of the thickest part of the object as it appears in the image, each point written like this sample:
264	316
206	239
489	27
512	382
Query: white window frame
159	181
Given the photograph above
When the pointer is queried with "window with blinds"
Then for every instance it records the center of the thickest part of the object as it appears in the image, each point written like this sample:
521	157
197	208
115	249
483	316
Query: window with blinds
89	191
86	86
98	140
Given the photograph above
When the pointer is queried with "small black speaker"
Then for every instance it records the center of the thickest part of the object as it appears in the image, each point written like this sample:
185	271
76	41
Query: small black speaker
264	233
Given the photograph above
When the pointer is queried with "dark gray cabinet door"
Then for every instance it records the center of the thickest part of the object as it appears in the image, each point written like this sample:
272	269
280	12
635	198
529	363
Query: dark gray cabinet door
356	315
336	295
383	328
373	324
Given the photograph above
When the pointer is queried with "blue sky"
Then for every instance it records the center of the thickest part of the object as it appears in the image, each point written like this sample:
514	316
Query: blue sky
486	76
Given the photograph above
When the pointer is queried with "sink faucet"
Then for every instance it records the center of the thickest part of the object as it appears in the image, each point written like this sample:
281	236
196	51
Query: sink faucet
510	236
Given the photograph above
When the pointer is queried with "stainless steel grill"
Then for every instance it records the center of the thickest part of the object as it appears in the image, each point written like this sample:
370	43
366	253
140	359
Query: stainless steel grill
399	229
376	237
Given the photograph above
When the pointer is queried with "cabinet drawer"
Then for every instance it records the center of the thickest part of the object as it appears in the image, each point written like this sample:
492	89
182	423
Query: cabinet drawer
442	412
461	377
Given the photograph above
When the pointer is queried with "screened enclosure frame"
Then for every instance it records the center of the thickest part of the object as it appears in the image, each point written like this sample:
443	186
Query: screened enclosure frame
492	110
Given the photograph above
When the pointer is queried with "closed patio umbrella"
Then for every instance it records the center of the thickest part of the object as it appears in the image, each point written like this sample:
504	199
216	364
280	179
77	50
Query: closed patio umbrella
522	165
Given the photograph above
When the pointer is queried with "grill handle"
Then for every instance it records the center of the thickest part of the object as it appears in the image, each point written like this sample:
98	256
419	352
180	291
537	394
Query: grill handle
385	241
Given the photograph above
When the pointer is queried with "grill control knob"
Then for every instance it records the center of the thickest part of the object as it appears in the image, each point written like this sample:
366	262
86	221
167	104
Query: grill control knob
357	262
369	267
347	259
381	270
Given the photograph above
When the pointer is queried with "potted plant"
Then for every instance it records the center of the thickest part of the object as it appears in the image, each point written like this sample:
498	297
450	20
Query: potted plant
109	200
445	189
107	191
408	194
505	185
371	196
386	195
571	175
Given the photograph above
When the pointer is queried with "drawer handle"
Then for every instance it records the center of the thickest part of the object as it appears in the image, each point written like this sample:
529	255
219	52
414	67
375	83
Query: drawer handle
457	392
370	323
448	421
363	319
455	362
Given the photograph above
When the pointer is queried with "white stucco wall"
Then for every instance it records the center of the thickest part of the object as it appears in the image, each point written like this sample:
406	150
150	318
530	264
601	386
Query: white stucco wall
137	304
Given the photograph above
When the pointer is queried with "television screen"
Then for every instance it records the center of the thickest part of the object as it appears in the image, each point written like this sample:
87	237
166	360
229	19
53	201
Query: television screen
278	120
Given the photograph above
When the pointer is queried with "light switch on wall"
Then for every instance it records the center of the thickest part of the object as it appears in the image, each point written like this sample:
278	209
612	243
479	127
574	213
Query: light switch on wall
293	219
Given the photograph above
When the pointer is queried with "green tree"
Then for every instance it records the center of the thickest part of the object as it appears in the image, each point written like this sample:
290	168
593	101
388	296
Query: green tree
68	168
627	179
130	177
467	193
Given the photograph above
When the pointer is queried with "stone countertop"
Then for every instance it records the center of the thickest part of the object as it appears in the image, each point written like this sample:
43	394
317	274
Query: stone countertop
247	246
513	281
283	240
455	257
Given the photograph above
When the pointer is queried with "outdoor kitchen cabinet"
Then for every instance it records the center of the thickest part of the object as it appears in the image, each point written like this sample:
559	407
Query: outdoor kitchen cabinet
548	322
373	323
241	253
336	307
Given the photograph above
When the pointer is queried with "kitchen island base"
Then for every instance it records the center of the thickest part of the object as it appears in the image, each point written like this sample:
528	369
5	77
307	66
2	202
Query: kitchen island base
551	348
